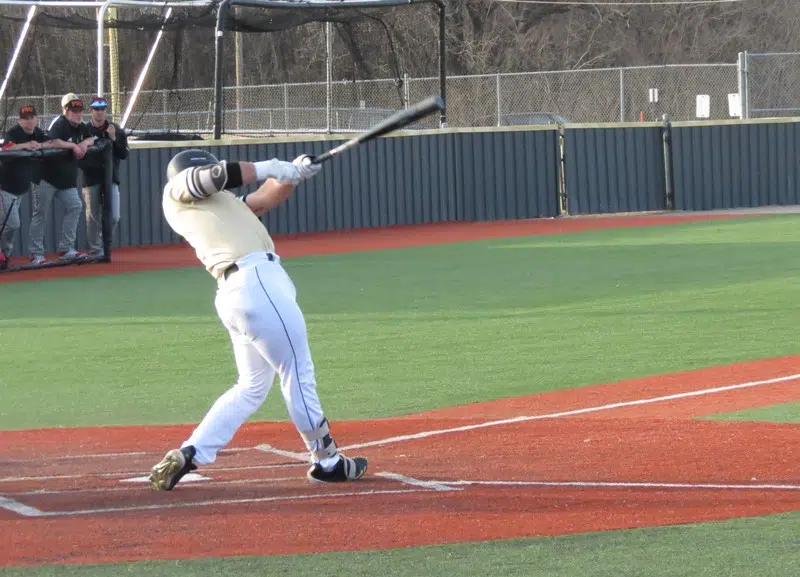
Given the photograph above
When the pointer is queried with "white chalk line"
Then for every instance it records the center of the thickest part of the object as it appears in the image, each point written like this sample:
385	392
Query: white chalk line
570	413
434	485
48	459
136	473
19	508
138	488
623	485
266	448
26	511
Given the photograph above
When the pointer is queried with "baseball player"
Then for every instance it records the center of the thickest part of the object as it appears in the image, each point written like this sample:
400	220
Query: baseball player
256	302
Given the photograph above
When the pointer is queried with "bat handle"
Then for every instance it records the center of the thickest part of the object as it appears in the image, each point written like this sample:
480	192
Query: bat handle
321	157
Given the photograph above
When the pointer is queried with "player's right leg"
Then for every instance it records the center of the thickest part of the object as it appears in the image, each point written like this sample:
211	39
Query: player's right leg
224	418
41	199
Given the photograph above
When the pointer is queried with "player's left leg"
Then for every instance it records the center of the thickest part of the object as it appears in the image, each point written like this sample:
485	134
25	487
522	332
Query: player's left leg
278	328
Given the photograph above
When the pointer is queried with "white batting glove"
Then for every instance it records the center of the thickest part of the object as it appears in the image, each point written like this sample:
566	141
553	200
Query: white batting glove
304	166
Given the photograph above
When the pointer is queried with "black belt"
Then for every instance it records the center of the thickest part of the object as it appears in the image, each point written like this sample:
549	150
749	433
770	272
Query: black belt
235	267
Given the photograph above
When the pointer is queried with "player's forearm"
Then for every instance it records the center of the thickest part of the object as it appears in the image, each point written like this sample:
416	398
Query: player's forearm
269	195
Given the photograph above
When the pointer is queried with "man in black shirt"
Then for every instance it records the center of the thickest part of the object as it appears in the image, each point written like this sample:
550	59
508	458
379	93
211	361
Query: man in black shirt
60	180
18	175
94	173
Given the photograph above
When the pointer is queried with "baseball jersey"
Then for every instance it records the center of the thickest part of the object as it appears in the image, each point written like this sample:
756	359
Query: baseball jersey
215	222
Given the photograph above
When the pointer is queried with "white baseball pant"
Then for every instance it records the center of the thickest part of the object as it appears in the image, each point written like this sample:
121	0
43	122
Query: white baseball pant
257	305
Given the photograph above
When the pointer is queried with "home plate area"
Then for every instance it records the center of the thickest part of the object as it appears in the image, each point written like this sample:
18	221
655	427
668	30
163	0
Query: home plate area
116	484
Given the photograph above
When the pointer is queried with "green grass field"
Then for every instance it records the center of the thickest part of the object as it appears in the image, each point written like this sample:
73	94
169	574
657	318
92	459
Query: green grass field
401	331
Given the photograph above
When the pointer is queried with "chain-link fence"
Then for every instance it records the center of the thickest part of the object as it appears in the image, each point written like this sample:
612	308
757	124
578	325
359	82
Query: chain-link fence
767	85
772	84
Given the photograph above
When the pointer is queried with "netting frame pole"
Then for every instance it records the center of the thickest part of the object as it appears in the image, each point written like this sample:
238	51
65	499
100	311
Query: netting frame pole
219	31
23	34
442	63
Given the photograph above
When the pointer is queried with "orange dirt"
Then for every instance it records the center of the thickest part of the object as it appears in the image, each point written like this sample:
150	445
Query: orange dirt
242	510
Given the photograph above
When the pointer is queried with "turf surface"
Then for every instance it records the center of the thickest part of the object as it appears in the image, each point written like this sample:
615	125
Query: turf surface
783	413
763	546
400	331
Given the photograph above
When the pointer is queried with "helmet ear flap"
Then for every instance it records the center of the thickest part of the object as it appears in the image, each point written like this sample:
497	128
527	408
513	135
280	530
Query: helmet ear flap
187	159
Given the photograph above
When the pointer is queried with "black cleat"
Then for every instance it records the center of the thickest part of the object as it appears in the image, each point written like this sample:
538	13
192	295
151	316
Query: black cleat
171	469
346	469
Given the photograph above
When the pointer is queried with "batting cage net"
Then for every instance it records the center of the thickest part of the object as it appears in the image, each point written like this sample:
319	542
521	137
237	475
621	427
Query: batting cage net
60	224
183	69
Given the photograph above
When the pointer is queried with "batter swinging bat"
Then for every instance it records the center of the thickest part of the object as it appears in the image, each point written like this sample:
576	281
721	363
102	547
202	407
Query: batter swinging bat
394	122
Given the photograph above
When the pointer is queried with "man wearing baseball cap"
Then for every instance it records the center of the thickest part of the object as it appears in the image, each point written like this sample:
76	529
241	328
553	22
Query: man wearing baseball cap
18	175
60	180
94	174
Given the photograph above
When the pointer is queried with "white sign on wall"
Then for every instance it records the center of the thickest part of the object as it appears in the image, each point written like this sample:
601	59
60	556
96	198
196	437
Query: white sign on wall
703	106
734	105
653	94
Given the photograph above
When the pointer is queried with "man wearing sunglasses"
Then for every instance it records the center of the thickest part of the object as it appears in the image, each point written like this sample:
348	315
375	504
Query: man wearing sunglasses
18	175
60	180
94	173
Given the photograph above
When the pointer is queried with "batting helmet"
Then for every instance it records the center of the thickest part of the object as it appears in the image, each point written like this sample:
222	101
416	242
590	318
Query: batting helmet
189	158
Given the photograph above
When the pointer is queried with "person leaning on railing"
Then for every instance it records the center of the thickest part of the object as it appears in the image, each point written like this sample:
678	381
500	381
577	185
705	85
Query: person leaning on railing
18	175
60	180
94	174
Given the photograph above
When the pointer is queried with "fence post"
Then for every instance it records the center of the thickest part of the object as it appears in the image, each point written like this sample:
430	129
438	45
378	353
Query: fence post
406	89
666	139
497	85
744	92
329	72
622	95
286	106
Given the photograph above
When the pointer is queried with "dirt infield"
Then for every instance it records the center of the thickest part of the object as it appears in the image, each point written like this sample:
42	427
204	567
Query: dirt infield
613	456
125	260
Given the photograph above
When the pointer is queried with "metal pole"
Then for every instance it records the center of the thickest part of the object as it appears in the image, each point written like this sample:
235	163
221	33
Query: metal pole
101	67
143	73
328	74
442	64
622	95
17	49
744	99
497	90
219	32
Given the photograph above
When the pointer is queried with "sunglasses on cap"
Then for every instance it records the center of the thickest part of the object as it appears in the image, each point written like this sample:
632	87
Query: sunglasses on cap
99	104
27	112
75	105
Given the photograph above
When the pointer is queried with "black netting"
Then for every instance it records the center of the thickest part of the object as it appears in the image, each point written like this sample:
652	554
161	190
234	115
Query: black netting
275	73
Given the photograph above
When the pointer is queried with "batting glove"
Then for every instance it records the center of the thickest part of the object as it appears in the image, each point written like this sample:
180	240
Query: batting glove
305	167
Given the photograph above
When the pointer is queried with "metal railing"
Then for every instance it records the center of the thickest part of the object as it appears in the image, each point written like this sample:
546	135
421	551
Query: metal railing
758	85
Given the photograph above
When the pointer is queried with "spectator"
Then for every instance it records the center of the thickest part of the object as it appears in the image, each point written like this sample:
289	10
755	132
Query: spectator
18	175
60	179
94	174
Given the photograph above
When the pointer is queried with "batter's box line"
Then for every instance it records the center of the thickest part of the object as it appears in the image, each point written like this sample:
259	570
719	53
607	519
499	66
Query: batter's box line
28	511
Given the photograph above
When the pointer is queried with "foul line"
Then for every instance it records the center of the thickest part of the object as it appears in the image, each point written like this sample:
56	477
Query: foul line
621	485
571	413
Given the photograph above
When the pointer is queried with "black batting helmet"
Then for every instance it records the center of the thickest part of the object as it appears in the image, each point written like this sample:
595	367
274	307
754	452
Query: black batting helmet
188	158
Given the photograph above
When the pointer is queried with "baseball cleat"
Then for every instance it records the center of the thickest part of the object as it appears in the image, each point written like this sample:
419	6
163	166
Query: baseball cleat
346	469
171	469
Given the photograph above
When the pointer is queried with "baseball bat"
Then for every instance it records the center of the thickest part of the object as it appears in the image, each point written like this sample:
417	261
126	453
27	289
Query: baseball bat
394	122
